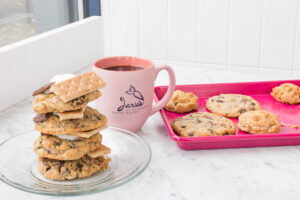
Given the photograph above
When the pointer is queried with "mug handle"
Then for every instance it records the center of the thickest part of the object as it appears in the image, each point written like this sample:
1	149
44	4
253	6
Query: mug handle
159	105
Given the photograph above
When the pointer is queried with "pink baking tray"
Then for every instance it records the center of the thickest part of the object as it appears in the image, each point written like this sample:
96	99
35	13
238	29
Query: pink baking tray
260	91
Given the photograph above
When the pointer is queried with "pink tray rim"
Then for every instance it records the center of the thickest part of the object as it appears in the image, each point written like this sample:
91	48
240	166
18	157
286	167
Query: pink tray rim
228	137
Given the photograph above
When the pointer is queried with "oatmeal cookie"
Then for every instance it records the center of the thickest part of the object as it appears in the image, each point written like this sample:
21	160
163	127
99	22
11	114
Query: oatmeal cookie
52	147
182	102
72	169
231	105
203	124
259	122
92	119
48	103
287	93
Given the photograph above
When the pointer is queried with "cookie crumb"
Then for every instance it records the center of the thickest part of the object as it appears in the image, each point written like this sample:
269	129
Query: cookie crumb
290	125
294	126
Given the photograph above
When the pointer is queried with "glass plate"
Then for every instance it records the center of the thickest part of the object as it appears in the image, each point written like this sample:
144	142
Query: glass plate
130	156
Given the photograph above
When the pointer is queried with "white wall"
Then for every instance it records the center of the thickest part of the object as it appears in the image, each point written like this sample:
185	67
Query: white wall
245	35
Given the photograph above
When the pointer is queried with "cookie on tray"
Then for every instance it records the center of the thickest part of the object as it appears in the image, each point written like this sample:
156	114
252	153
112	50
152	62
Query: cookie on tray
231	105
287	93
259	122
72	169
50	124
182	102
48	103
203	124
48	146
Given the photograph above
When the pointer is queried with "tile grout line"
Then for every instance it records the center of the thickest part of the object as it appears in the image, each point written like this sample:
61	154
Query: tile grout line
167	27
197	31
138	27
110	26
222	64
229	19
262	21
295	39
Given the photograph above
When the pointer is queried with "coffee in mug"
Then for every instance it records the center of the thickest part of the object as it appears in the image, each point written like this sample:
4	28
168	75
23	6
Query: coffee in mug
124	68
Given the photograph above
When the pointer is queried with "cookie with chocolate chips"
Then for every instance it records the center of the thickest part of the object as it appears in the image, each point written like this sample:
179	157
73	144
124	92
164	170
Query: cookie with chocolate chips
48	146
72	169
203	124
48	103
259	122
231	105
92	119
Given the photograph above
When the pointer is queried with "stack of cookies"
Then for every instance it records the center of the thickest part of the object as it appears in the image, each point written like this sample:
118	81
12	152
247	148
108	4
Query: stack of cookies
70	145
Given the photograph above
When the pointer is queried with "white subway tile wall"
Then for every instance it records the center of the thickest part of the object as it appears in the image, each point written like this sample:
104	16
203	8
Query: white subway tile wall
182	30
245	28
107	42
153	27
296	59
213	22
124	27
278	33
257	35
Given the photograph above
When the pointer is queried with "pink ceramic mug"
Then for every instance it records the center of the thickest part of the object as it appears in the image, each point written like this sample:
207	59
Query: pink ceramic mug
127	99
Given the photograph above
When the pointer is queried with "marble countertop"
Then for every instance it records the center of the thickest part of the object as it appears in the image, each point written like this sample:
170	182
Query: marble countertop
248	173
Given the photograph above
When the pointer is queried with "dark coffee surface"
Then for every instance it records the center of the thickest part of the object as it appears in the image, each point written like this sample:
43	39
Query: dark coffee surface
124	68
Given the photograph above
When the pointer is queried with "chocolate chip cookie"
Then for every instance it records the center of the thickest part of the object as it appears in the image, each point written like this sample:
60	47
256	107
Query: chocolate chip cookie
231	105
203	124
48	103
259	122
72	169
182	102
92	119
287	93
48	146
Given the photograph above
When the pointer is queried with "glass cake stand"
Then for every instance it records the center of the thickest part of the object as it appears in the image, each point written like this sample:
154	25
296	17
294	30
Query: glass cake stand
130	156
